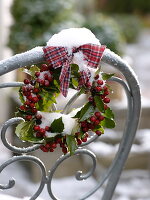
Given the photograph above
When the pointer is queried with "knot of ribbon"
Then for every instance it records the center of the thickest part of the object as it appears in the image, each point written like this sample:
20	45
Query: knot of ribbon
61	57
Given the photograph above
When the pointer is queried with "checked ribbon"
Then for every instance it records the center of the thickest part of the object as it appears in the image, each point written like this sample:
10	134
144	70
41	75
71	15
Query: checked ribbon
60	57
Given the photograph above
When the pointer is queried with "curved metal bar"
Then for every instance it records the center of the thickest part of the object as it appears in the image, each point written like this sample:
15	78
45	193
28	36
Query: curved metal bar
131	124
8	145
36	55
37	161
115	162
13	84
30	57
79	175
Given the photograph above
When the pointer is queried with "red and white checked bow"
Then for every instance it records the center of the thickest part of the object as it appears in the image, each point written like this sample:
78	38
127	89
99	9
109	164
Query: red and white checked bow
60	57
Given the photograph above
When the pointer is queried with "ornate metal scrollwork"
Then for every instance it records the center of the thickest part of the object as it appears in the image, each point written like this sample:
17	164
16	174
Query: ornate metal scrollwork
112	175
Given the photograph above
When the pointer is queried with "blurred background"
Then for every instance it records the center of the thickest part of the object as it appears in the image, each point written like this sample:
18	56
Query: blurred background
124	27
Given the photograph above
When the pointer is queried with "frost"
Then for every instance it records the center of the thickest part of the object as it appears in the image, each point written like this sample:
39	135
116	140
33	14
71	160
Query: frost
74	37
69	123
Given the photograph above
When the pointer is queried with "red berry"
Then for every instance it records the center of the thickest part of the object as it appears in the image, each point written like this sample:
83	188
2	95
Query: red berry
101	118
85	129
100	82
28	117
37	74
38	135
90	99
77	134
98	133
93	119
102	96
97	114
38	116
84	139
105	107
22	107
79	141
26	81
91	126
53	145
88	85
96	122
51	150
64	150
106	92
34	110
83	124
58	140
46	83
50	79
44	68
96	77
98	89
42	131
105	87
35	90
46	76
106	100
29	97
32	105
35	99
36	128
42	82
47	128
27	103
43	148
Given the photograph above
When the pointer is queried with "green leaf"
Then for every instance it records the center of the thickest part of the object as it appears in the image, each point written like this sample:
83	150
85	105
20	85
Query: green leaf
109	113
25	132
21	97
106	76
74	82
86	112
48	98
99	103
71	143
99	128
97	71
108	123
57	126
31	71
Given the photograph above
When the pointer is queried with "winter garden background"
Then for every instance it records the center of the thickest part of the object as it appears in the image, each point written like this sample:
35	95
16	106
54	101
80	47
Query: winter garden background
124	26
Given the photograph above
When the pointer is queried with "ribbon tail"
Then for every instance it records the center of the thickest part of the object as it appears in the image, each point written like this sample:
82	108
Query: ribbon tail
65	79
84	78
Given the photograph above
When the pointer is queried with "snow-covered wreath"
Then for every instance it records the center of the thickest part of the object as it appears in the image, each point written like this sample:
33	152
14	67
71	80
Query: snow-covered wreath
72	57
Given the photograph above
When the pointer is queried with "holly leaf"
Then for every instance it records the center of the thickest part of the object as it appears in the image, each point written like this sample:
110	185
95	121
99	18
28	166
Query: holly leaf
99	128
99	103
46	102
86	112
108	123
109	113
106	76
57	126
31	71
74	82
75	70
71	143
21	97
25	132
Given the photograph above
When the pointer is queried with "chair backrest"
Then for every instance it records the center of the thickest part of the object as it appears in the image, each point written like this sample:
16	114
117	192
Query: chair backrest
131	87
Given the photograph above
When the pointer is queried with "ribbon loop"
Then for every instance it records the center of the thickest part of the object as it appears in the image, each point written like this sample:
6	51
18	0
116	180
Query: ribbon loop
60	57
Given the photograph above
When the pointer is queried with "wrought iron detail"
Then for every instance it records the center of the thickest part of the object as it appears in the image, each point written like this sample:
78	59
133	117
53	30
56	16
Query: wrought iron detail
131	87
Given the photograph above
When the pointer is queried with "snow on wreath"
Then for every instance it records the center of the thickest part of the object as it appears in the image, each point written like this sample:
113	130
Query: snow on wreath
72	61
